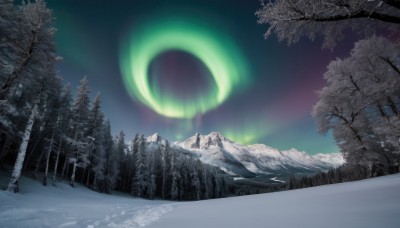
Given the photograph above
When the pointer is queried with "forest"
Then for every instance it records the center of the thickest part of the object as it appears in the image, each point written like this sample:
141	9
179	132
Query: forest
51	134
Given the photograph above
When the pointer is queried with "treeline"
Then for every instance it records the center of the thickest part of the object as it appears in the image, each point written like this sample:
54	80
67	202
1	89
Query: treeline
156	170
342	174
47	132
249	187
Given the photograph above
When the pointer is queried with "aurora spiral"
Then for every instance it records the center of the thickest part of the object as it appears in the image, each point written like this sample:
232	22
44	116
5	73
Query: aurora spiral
214	48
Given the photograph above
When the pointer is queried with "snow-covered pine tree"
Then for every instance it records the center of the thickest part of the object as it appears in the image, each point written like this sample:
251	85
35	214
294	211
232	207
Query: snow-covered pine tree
151	189
195	181
64	131
128	166
165	159
80	143
120	150
175	176
139	183
97	154
111	160
206	182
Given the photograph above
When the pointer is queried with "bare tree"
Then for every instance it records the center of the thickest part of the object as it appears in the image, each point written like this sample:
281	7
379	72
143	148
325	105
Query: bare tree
292	19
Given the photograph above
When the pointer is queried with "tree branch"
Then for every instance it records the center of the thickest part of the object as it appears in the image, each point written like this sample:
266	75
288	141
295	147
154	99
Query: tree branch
354	15
391	64
393	3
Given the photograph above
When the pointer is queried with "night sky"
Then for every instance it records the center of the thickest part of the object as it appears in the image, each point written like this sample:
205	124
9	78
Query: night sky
180	67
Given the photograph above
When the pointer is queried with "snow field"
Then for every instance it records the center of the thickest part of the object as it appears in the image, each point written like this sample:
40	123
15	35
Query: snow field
371	203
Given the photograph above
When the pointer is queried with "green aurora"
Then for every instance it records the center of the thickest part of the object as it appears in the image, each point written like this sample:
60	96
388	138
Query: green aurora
213	48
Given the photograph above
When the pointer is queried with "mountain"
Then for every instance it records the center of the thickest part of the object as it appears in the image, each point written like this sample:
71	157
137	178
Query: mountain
248	160
257	159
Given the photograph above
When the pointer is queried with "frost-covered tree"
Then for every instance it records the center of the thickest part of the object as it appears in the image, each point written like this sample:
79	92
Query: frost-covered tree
165	159
96	153
292	19
111	160
360	102
28	81
206	182
151	164
120	150
80	143
139	183
13	183
175	177
64	117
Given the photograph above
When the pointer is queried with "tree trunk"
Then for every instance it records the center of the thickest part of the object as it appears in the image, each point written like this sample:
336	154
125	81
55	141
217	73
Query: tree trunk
16	174
88	177
72	182
392	105
64	169
30	153
37	166
48	160
381	111
94	182
56	162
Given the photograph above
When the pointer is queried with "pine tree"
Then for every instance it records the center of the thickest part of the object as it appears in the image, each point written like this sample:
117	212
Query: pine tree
111	159
97	153
175	177
64	116
80	143
152	175
165	153
139	184
120	150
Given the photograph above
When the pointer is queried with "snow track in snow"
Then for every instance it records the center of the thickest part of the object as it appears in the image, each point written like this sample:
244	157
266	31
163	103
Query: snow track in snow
127	215
145	217
37	206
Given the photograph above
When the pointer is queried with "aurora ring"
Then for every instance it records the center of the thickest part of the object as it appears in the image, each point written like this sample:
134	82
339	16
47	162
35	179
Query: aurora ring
214	49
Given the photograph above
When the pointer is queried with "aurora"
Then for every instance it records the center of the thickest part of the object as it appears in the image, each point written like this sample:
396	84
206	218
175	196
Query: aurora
269	101
214	49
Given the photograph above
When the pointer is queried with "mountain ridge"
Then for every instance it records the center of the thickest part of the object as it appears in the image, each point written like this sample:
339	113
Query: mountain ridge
251	160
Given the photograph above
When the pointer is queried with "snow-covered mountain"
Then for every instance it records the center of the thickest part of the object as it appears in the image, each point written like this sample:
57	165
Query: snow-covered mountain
251	160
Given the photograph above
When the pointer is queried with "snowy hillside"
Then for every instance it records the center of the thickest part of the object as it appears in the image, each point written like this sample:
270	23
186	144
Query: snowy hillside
249	160
368	203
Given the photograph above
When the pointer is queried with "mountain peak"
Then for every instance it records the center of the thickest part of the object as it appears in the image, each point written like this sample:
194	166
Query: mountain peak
154	138
216	149
212	140
217	136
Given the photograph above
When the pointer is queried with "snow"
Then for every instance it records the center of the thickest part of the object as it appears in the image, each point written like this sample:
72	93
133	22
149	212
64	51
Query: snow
64	206
276	180
367	203
217	150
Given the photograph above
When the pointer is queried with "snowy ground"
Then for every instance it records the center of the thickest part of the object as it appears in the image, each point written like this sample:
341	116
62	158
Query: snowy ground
371	203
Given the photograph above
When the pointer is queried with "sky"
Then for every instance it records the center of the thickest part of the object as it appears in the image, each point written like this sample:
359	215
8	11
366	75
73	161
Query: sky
178	67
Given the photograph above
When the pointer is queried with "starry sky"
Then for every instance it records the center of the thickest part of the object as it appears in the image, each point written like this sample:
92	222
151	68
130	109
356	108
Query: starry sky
178	67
